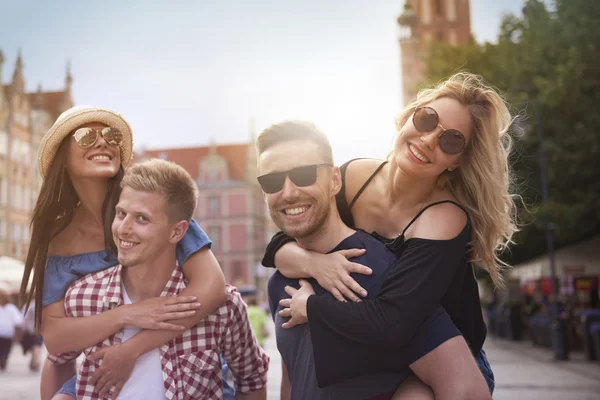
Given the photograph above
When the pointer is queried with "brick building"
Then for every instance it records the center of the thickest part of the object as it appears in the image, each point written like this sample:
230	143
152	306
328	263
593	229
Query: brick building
421	21
24	119
231	208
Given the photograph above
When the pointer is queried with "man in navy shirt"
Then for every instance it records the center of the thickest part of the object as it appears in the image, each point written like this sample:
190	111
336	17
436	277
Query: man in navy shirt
300	183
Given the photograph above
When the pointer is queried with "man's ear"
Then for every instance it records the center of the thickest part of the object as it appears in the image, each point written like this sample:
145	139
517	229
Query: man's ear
178	232
336	180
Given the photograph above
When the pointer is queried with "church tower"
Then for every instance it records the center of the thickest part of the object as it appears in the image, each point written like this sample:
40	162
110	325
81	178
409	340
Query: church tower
447	21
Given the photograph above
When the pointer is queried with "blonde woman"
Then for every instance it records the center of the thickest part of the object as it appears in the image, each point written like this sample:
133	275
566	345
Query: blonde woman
441	201
82	159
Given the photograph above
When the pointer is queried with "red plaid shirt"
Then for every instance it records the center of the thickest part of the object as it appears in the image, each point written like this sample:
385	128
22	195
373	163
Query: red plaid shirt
191	367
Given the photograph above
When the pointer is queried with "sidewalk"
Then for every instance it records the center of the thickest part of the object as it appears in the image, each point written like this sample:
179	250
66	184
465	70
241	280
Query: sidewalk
522	372
525	372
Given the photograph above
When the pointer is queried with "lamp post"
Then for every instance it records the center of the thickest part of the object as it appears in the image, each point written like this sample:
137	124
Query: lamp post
558	325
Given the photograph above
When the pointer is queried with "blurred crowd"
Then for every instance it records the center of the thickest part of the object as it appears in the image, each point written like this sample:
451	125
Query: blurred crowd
533	314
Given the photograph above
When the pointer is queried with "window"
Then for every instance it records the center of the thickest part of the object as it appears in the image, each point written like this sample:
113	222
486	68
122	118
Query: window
438	8
214	234
214	205
3	143
26	198
452	10
3	191
16	232
24	234
426	11
236	272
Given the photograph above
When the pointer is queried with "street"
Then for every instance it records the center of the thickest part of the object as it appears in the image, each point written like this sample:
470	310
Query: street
522	372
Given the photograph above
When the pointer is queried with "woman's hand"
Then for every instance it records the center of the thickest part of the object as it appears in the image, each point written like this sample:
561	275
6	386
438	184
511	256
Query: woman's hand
333	270
154	312
296	306
114	371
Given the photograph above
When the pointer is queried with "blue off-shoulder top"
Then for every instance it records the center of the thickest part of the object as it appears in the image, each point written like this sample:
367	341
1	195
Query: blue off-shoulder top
61	271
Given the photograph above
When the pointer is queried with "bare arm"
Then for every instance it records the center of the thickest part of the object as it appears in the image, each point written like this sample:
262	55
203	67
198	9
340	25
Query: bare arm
332	271
205	282
64	334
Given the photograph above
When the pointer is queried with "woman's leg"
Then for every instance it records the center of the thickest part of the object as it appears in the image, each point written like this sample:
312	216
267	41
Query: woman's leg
451	371
54	377
67	391
413	389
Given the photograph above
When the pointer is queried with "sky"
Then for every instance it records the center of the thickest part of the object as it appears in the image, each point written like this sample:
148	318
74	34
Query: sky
189	72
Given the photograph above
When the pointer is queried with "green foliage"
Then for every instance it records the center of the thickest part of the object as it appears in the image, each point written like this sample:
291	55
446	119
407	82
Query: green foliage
550	57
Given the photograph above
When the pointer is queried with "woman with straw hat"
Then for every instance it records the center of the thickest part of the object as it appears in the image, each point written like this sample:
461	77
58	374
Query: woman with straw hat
81	160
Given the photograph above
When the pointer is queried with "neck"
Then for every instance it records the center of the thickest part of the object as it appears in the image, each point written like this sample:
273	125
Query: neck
328	235
420	188
91	193
147	280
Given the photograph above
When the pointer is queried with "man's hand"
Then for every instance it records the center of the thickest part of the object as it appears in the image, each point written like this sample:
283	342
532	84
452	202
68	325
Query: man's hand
296	306
115	369
154	312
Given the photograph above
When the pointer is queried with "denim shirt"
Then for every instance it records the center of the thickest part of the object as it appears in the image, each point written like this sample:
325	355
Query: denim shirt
61	271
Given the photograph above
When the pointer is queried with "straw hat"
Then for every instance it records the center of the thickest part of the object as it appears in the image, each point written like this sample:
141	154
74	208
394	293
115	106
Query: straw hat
73	118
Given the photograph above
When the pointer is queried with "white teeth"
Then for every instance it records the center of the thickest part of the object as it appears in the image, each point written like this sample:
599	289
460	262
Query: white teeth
416	153
295	211
101	157
127	244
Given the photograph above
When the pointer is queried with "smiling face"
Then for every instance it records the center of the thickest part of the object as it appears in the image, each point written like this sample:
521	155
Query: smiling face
141	228
101	160
299	211
419	153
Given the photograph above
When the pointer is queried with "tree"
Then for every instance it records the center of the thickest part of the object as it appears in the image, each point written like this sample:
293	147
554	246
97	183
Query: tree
549	56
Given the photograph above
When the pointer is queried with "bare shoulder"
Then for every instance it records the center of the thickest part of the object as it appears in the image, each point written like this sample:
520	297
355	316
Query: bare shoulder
357	173
443	221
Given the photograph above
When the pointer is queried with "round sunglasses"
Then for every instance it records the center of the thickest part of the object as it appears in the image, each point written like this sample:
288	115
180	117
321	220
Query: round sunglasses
426	119
87	137
303	176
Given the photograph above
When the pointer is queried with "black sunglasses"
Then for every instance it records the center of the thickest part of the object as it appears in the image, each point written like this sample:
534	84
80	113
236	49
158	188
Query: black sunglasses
426	119
305	175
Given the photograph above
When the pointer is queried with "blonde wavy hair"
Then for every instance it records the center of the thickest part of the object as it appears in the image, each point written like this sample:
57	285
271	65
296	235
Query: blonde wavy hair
483	182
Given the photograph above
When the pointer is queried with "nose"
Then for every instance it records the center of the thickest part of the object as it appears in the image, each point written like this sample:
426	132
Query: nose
100	142
289	190
430	139
125	227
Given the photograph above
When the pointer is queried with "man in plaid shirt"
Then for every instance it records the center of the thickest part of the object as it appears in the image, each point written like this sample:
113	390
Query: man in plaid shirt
156	204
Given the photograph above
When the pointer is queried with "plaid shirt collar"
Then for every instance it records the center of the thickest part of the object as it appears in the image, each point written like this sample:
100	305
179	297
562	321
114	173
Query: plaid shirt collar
113	296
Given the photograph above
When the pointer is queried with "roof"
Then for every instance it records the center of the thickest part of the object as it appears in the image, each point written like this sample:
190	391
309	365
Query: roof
235	154
52	102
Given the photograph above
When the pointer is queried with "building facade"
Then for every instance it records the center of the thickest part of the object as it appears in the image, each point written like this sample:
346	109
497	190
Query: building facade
231	208
24	119
421	21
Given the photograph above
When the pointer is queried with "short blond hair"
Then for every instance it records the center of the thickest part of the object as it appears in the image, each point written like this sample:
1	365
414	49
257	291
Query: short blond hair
165	177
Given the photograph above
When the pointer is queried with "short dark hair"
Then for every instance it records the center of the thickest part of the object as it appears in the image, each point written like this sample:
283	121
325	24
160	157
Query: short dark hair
286	131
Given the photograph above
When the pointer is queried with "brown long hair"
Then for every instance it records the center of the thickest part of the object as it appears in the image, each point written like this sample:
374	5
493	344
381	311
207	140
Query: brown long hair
53	212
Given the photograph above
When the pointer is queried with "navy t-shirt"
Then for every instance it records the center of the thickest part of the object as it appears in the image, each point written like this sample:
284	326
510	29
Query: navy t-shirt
295	344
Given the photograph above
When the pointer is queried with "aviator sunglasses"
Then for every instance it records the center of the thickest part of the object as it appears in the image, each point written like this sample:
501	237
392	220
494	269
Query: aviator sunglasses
305	175
87	137
426	119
